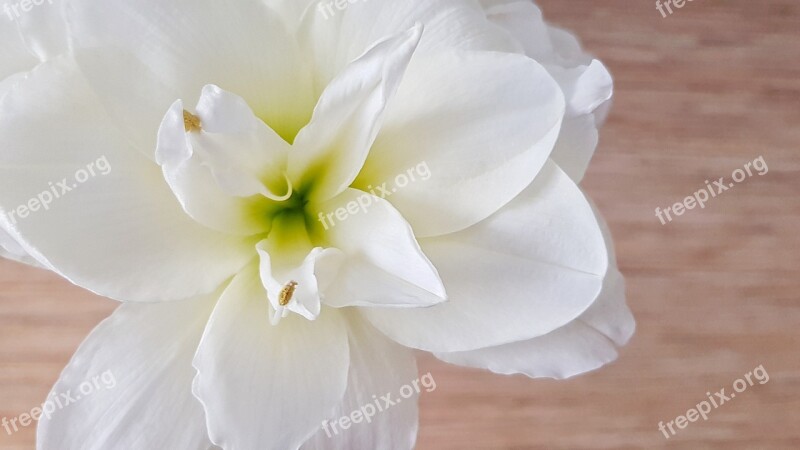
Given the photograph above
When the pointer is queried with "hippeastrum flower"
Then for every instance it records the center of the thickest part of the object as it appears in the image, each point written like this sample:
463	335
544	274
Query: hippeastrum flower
239	132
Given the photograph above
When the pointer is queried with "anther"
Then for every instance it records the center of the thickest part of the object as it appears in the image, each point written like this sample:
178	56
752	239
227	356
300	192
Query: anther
191	122
286	293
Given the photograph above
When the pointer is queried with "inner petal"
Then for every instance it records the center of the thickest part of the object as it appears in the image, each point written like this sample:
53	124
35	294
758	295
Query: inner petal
225	166
293	270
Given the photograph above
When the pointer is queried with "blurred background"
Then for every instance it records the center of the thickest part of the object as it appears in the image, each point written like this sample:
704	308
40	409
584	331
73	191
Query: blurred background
716	292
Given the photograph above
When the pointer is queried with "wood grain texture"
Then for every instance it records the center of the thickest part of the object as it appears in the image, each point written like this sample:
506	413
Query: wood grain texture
716	292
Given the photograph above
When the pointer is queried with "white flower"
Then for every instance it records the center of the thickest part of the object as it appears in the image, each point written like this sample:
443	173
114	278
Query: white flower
233	127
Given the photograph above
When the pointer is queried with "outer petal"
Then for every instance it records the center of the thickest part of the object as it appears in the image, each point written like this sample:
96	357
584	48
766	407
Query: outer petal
14	55
138	364
526	271
337	37
44	29
523	20
291	10
120	233
576	145
378	367
11	249
263	386
15	58
583	345
332	149
586	83
383	264
238	45
587	88
484	123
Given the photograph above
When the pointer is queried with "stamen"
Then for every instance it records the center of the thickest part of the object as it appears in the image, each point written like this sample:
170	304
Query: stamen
191	122
286	293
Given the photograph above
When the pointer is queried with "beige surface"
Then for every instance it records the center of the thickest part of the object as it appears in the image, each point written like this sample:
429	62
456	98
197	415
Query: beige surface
715	292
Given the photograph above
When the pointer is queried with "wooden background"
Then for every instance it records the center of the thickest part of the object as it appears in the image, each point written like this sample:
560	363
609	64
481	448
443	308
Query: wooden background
716	292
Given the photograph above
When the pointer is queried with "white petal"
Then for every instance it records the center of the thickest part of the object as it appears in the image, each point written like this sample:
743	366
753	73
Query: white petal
331	150
610	315
170	50
306	298
383	265
542	42
530	269
218	173
378	367
482	123
120	233
9	246
14	55
576	145
264	386
337	36
11	249
130	91
583	345
291	10
587	88
7	84
134	378
568	48
586	83
44	29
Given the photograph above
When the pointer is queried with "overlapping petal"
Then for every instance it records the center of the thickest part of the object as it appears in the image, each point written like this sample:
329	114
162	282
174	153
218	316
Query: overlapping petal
587	343
584	344
484	123
10	248
378	367
44	28
15	60
526	271
229	172
170	50
120	232
382	263
586	83
264	386
335	35
14	54
129	384
330	151
316	269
